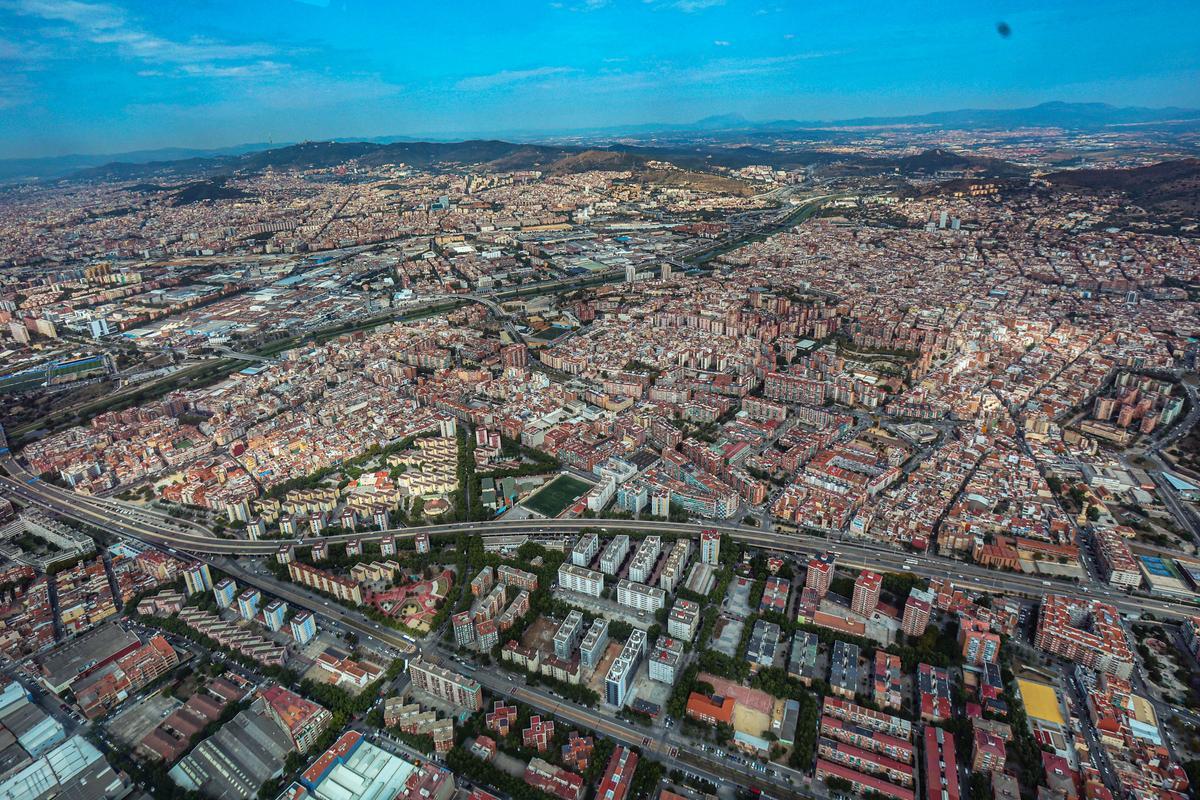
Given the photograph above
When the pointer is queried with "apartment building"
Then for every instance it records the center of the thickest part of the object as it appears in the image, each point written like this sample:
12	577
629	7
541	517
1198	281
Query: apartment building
640	596
878	721
843	669
595	641
802	661
664	660
641	568
585	549
614	554
1116	560
861	736
674	565
482	583
511	576
918	609
1087	632
867	761
568	635
941	765
887	686
710	547
979	644
579	579
867	587
624	667
819	575
327	582
683	620
464	629
443	683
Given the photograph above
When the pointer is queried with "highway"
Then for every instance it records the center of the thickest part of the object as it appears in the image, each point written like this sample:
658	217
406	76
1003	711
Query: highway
867	554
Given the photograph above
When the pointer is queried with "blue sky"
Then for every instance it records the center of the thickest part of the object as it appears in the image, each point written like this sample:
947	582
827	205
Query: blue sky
114	75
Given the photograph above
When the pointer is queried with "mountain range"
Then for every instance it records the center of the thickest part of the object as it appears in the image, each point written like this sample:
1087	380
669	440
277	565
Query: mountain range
495	155
1071	116
1054	114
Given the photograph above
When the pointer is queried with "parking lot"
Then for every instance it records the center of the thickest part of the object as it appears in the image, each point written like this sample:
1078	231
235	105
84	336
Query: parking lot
609	609
130	725
737	599
727	636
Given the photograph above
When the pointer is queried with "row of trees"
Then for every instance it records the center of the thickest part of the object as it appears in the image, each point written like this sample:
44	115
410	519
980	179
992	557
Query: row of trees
541	461
937	647
173	624
317	477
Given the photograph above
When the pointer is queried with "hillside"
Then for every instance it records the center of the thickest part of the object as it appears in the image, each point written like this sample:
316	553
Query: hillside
697	181
597	159
205	190
320	155
555	159
1170	188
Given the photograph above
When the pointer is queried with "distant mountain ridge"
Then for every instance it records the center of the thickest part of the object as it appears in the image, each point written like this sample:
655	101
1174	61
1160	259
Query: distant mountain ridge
51	167
1056	114
1053	114
498	155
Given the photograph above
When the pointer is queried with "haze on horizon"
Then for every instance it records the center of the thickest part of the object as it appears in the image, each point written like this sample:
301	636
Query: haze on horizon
84	76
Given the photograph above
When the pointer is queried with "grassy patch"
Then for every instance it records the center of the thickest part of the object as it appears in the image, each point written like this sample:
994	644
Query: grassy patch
551	499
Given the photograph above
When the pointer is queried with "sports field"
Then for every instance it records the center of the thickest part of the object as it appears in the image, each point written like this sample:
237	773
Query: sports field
551	499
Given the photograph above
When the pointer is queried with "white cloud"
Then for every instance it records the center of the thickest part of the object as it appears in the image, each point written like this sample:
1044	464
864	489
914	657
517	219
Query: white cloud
258	68
664	75
90	16
686	6
288	91
24	51
721	42
14	90
103	24
506	77
690	6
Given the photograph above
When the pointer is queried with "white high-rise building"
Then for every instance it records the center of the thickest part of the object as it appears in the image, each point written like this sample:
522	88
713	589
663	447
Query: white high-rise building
614	554
644	559
640	596
579	579
585	549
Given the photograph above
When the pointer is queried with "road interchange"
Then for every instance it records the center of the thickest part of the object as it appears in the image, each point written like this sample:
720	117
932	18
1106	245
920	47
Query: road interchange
126	520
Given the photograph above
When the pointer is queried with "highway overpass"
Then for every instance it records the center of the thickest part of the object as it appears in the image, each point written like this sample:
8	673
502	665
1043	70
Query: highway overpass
851	552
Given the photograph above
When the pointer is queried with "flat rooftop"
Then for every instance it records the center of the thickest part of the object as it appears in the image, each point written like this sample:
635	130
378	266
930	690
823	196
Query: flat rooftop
62	664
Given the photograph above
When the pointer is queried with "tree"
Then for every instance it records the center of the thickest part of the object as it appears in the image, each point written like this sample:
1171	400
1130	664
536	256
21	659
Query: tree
836	784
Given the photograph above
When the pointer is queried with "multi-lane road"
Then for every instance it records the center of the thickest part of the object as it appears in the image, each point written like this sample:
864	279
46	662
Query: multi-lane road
499	683
133	522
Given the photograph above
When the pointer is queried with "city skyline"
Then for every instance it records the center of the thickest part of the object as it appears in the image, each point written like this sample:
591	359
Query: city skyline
599	400
110	77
